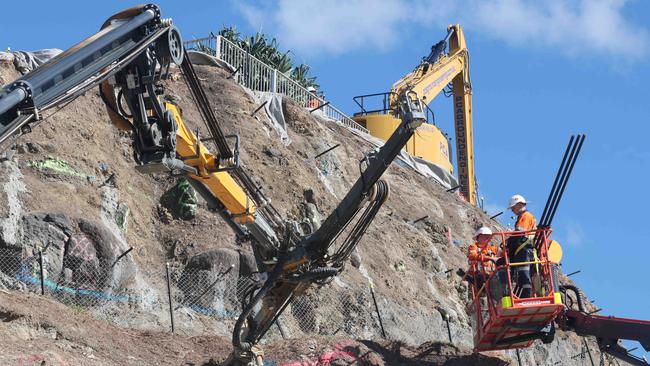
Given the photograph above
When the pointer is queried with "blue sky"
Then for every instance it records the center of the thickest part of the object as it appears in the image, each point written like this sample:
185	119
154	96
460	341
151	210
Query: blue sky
541	71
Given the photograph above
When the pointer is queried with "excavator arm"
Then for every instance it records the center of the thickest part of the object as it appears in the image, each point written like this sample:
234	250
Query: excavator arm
312	260
436	71
609	331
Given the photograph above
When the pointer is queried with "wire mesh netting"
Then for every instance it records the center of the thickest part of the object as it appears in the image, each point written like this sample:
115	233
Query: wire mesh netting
198	301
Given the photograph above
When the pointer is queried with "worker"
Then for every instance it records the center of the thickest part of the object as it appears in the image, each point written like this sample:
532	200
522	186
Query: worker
313	101
482	257
520	247
525	220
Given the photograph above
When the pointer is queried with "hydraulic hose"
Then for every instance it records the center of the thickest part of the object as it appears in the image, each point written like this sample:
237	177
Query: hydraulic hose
237	341
576	292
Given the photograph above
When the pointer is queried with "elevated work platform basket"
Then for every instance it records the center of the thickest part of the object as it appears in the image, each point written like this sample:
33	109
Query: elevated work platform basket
501	319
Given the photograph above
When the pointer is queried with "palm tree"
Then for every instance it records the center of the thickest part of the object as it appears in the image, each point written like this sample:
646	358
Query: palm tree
231	34
300	74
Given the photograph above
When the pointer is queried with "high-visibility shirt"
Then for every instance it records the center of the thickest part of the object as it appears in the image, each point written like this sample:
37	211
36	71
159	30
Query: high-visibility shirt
481	254
526	221
313	103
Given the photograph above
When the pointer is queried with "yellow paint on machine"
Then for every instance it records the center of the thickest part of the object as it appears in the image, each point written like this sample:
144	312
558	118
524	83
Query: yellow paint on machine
428	80
428	142
221	184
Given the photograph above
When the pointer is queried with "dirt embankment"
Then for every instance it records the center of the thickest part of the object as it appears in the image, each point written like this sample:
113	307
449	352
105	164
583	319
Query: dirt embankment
39	331
411	263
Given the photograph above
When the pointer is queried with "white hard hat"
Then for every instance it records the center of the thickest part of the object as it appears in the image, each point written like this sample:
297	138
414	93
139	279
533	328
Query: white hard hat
516	199
483	230
311	89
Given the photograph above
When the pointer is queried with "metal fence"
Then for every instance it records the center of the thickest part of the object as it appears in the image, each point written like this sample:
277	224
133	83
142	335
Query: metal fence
256	75
190	301
195	301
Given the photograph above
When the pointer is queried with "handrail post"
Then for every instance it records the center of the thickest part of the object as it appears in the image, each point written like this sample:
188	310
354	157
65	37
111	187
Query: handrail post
217	50
274	81
511	289
249	79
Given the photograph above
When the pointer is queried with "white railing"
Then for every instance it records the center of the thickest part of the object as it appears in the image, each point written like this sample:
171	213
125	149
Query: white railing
256	75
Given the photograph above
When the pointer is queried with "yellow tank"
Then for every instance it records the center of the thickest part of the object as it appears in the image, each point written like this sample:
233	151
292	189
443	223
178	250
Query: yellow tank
428	142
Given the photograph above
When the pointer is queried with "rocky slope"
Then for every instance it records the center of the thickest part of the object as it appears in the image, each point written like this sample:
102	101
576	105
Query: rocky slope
70	187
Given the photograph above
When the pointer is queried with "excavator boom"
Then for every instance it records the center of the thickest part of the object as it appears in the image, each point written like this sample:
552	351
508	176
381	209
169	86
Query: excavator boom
608	330
430	77
608	327
310	262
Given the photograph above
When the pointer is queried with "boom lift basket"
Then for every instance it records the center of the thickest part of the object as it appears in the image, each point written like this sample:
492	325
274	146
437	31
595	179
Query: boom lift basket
501	319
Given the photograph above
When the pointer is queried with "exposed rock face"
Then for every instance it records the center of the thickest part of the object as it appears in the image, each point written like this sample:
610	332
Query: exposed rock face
83	252
49	233
210	278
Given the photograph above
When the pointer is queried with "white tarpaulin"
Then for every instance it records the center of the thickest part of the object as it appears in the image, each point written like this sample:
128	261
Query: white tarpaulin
26	61
200	58
273	109
427	169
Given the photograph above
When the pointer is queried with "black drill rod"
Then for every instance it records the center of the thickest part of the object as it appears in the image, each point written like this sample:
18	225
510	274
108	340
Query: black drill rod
554	195
326	151
573	162
169	296
557	178
40	264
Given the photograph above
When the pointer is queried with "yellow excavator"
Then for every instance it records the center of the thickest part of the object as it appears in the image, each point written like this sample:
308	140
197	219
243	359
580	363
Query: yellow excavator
439	70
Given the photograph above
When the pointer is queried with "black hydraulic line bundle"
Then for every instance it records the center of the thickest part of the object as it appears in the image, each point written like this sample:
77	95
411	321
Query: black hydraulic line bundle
561	179
203	105
344	252
225	152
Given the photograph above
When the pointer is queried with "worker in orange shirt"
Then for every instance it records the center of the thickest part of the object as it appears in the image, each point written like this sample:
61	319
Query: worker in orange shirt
520	248
482	257
525	220
312	101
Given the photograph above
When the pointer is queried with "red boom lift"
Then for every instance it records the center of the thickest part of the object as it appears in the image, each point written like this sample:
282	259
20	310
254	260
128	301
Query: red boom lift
503	320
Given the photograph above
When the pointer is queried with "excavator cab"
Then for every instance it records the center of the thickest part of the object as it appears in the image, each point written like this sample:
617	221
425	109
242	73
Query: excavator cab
502	318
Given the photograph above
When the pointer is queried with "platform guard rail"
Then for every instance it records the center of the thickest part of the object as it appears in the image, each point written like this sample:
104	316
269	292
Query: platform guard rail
499	287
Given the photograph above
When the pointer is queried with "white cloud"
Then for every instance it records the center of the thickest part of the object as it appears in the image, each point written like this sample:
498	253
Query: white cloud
573	27
335	27
573	234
